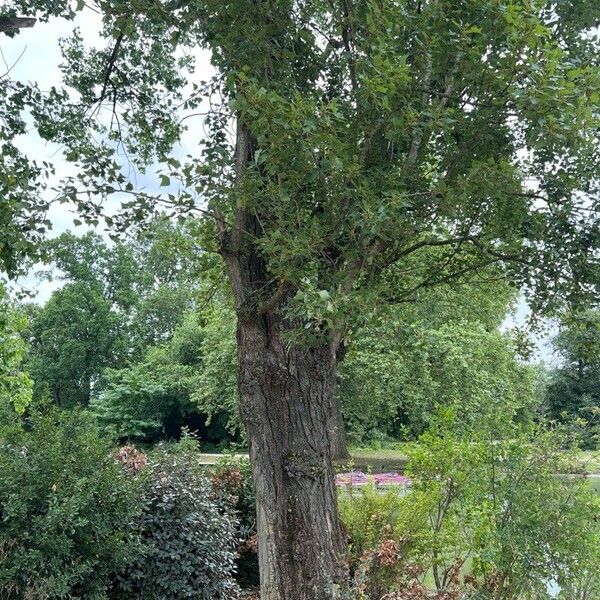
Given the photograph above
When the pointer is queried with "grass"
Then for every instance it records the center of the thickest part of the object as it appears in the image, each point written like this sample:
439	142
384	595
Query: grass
395	453
378	459
590	460
394	458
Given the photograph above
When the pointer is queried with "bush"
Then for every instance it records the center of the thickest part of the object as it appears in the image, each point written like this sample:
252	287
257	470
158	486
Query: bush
384	528
487	517
188	534
496	505
232	481
64	508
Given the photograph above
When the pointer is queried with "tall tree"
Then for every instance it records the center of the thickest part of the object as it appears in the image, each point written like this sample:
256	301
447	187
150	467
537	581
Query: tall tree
445	350
73	338
117	301
367	134
15	384
573	392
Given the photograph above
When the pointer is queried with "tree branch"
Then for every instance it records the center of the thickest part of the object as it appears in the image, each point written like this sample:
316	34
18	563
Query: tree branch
13	24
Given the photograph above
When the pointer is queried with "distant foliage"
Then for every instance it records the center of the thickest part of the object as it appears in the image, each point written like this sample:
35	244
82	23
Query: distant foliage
135	404
573	393
116	303
216	392
15	384
190	380
399	374
188	534
65	505
72	339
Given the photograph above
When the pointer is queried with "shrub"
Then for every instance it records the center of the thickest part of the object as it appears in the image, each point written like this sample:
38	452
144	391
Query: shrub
232	481
487	517
64	508
496	504
383	528
188	534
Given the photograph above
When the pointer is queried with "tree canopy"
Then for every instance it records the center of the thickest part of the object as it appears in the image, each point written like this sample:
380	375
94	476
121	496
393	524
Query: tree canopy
375	132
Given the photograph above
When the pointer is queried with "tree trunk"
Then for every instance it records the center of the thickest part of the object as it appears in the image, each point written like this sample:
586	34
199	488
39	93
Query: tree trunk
337	432
286	398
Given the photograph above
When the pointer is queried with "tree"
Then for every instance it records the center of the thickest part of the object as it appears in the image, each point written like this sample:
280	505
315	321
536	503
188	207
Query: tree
446	350
573	393
117	301
73	338
375	142
150	279
188	381
15	384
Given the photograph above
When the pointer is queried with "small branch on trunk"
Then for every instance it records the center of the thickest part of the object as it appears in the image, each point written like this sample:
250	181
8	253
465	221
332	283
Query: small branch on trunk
501	255
273	302
13	24
244	148
110	66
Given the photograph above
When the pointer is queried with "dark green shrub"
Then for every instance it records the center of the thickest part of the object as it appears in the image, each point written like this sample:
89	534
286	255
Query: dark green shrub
188	534
64	508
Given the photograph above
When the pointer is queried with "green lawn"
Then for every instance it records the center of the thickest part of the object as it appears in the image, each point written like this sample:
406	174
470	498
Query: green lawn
377	460
394	459
590	460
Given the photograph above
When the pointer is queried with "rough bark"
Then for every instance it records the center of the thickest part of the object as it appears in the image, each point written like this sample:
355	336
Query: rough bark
337	431
286	398
286	394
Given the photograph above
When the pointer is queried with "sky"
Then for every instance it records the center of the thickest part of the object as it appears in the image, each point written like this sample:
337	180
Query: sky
34	55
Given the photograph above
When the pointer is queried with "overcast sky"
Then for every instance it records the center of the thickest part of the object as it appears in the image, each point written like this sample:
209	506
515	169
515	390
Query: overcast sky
34	55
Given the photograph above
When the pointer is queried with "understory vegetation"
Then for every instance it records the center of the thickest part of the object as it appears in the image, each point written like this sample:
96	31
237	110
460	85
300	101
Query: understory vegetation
136	339
100	500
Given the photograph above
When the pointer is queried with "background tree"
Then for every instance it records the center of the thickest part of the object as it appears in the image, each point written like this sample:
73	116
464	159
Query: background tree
117	301
73	338
367	134
15	383
188	381
573	393
443	351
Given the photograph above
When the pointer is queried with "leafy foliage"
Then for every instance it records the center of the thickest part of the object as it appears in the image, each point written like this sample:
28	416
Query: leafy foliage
384	131
73	338
189	380
115	304
15	384
65	506
188	535
573	393
487	517
445	350
215	392
232	481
